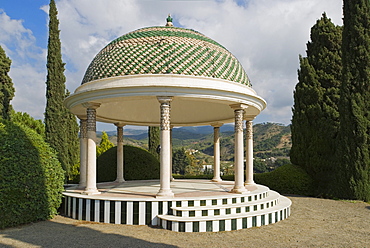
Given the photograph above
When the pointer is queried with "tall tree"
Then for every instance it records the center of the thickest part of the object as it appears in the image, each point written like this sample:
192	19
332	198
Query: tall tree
6	86
105	144
60	127
315	121
354	105
180	161
153	140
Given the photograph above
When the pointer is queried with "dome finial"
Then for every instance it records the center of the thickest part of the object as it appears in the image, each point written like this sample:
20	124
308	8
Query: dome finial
169	21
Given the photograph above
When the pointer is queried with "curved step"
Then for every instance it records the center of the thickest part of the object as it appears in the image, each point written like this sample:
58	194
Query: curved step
228	222
225	209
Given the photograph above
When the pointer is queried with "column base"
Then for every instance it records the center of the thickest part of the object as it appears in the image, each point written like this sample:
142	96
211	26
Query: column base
91	192
249	183
217	180
239	190
81	186
165	194
119	181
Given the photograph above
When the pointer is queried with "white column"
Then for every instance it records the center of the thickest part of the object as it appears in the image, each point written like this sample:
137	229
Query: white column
249	154
120	159
83	153
239	153
216	153
165	155
171	152
91	149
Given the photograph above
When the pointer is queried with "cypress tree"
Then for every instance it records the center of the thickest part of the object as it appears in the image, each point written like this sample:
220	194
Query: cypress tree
180	161
6	86
153	140
354	155
60	125
315	121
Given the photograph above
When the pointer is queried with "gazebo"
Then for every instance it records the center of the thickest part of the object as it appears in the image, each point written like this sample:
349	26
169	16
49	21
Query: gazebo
168	76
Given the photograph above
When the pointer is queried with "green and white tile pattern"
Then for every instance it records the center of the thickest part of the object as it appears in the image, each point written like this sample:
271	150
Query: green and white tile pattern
165	50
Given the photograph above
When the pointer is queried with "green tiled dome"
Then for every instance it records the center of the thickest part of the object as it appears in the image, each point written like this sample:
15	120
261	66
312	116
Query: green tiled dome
165	50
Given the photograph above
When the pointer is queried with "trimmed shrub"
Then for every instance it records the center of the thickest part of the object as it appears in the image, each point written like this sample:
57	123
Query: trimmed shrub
177	176
287	179
31	177
139	164
228	177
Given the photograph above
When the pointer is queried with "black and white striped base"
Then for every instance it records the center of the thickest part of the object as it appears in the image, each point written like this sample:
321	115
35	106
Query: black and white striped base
190	214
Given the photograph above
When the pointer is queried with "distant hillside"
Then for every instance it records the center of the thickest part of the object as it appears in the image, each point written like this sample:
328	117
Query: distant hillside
270	139
272	143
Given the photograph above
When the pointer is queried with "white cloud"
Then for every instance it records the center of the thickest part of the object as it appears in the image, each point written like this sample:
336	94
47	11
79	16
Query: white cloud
265	35
28	66
30	90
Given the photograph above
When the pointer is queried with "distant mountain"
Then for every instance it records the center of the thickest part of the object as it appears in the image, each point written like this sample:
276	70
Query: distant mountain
269	139
271	143
180	133
140	136
205	129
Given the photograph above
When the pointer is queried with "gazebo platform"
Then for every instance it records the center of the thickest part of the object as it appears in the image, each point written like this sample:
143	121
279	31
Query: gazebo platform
197	205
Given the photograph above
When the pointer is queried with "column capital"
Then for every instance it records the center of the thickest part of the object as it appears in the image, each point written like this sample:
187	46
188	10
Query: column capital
249	117
91	105
119	124
239	106
164	99
217	124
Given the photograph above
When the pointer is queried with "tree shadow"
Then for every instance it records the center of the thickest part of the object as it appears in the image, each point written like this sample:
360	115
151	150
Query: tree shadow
52	234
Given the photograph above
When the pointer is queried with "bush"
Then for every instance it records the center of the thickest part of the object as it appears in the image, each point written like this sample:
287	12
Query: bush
31	177
139	164
287	179
177	176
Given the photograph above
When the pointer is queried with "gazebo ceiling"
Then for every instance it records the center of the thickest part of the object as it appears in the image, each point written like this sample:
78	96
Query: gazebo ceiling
128	75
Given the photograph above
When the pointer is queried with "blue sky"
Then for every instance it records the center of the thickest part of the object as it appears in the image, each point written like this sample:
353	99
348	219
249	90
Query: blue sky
266	36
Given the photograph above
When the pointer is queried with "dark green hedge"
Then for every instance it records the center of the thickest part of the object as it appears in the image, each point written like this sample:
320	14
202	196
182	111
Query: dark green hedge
31	177
139	164
177	176
287	179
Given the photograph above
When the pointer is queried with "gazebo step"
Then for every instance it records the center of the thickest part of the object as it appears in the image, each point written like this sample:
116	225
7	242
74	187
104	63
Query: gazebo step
121	208
258	195
227	209
227	222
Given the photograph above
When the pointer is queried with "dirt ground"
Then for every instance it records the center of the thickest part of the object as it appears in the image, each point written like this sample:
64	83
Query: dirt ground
313	223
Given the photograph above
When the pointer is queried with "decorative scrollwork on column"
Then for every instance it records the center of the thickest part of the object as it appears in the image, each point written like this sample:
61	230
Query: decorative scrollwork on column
83	129
239	120
165	116
91	119
165	112
249	129
119	134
